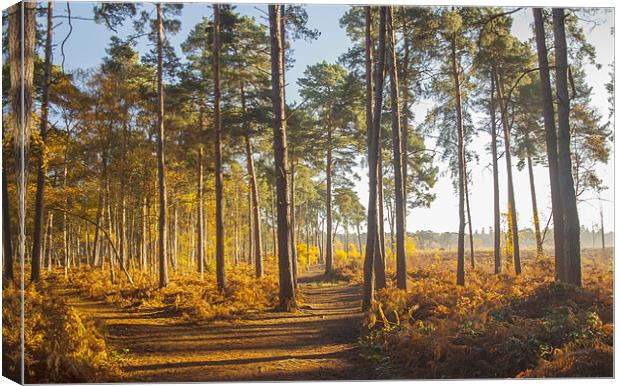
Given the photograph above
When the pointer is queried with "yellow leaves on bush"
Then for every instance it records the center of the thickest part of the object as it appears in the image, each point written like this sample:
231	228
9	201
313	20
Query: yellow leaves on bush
307	254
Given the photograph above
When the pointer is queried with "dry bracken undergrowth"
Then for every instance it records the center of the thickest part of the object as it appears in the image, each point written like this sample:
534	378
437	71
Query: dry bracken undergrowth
496	325
195	298
60	347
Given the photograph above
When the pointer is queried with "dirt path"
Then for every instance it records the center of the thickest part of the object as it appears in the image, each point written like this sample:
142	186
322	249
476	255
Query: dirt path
317	342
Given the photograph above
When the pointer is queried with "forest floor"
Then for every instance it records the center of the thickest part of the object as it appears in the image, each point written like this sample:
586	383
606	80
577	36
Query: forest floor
320	341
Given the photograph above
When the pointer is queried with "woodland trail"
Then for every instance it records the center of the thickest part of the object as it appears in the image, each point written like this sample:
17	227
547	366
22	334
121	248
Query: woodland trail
315	343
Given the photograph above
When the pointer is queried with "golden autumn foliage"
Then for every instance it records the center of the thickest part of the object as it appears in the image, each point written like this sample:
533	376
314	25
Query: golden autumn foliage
190	296
60	347
497	325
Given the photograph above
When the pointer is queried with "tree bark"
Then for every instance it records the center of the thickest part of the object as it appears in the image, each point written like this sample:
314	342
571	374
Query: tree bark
380	264
219	194
199	215
469	225
551	144
329	249
496	211
163	252
530	169
567	188
602	230
39	205
460	268
399	182
50	241
258	249
292	225
287	289
511	193
95	250
374	256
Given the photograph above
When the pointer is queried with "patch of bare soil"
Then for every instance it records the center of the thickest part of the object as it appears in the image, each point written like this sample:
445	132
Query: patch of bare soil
318	342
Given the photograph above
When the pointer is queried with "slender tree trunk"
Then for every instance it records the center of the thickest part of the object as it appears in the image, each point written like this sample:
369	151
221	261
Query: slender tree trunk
50	241
274	237
163	252
219	190
399	182
469	225
175	236
405	117
374	256
530	169
258	249
287	289
602	229
329	249
293	220
143	238
511	193
64	225
381	264
496	211
95	251
199	215
572	247
39	205
460	269
552	145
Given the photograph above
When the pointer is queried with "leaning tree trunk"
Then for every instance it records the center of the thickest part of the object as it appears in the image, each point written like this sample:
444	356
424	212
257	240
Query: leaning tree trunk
399	183
567	187
219	194
511	192
552	145
287	289
163	252
373	122
496	214
530	169
460	268
39	203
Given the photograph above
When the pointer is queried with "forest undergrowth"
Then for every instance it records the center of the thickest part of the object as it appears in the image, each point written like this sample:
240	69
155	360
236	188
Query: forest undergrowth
193	297
496	326
60	346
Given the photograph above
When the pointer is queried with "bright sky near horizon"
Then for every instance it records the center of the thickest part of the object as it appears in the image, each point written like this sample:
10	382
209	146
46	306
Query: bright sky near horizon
86	47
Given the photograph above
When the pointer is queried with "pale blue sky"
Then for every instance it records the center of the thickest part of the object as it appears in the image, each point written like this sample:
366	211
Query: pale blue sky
85	48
